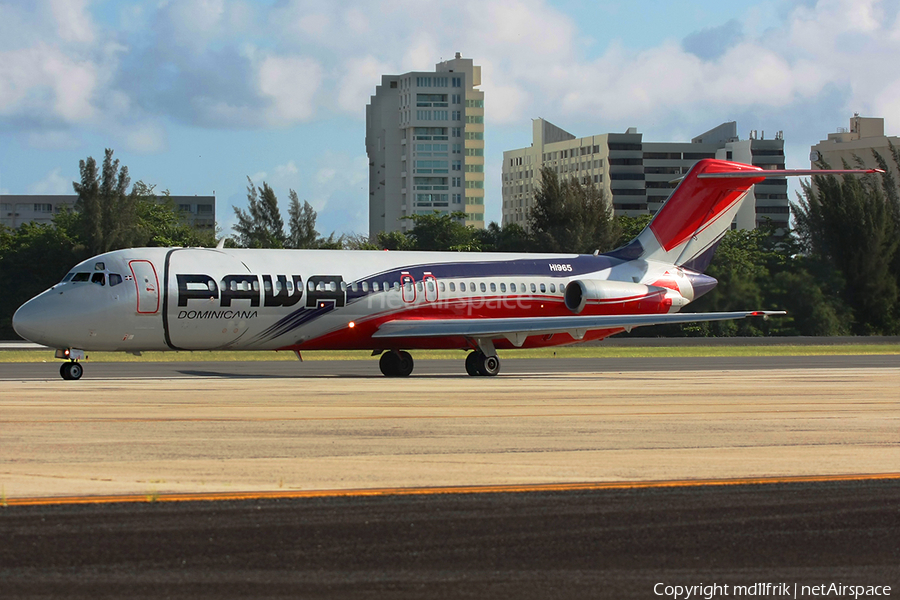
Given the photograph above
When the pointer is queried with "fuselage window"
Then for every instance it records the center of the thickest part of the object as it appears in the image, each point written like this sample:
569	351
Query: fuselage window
452	286
396	286
365	286
483	287
462	286
431	285
81	277
503	288
552	288
419	286
512	288
288	284
543	288
256	286
493	287
343	287
533	288
311	286
99	278
114	279
354	287
375	286
267	285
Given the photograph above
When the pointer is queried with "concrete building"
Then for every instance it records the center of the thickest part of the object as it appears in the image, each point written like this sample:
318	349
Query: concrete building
864	135
16	210
637	175
425	143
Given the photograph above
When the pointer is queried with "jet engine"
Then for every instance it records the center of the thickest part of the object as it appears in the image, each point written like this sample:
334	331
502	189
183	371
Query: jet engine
637	296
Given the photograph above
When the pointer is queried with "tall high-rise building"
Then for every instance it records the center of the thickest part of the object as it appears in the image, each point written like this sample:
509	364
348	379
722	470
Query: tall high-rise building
639	176
425	143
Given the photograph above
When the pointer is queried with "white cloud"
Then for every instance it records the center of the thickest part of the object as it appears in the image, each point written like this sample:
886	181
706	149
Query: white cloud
53	183
357	82
143	138
290	84
73	23
286	170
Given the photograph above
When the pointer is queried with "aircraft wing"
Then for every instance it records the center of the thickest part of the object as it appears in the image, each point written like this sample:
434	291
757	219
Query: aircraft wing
517	329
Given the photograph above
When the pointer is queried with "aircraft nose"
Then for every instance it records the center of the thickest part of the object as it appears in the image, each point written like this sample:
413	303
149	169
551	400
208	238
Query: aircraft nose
30	321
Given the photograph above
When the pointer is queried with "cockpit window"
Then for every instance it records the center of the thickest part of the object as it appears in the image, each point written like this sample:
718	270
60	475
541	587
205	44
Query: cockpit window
114	279
81	277
67	277
99	278
99	266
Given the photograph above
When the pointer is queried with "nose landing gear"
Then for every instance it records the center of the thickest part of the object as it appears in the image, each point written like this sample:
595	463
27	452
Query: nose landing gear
71	370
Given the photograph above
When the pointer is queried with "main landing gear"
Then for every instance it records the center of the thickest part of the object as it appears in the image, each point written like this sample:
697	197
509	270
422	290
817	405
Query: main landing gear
396	364
399	363
71	370
477	363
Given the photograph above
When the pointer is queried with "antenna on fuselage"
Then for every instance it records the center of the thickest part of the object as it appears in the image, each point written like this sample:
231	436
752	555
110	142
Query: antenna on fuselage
221	243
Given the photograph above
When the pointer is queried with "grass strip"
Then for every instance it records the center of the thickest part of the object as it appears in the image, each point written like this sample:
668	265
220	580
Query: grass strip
36	356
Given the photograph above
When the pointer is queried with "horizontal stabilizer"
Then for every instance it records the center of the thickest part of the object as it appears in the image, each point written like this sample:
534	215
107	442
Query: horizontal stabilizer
770	173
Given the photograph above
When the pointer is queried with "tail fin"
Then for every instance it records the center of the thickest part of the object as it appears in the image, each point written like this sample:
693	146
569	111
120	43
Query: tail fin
699	212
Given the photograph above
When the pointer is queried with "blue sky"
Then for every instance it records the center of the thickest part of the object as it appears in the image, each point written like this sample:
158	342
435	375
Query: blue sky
194	96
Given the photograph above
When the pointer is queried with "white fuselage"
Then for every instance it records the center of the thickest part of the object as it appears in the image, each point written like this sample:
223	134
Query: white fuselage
202	299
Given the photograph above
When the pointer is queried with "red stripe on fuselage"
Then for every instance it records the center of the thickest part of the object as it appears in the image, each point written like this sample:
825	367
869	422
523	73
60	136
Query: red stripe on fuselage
359	337
696	202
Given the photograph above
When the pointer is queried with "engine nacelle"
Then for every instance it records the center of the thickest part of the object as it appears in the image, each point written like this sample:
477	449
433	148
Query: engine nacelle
578	293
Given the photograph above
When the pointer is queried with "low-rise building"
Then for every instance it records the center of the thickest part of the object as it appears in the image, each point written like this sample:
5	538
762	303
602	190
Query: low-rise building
15	210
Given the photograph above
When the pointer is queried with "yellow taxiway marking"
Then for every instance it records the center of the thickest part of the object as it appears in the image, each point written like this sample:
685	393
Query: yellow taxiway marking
474	489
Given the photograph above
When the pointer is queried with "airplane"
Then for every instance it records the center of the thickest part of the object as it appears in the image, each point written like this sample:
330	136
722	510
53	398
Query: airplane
184	299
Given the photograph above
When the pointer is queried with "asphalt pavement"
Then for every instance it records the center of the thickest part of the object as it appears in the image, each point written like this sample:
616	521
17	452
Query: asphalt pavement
629	543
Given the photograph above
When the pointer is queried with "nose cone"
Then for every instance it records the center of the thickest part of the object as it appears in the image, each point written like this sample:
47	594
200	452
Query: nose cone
701	283
31	321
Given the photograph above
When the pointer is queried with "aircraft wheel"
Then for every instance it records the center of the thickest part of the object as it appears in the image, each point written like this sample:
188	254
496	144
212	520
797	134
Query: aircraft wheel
389	364
71	371
472	361
489	365
404	364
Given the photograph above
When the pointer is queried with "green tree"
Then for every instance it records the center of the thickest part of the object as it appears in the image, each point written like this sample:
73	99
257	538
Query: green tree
301	224
569	216
108	212
433	232
160	223
848	224
394	240
261	226
509	238
631	227
33	257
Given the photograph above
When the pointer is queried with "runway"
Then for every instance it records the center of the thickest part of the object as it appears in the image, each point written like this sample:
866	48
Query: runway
217	427
341	432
